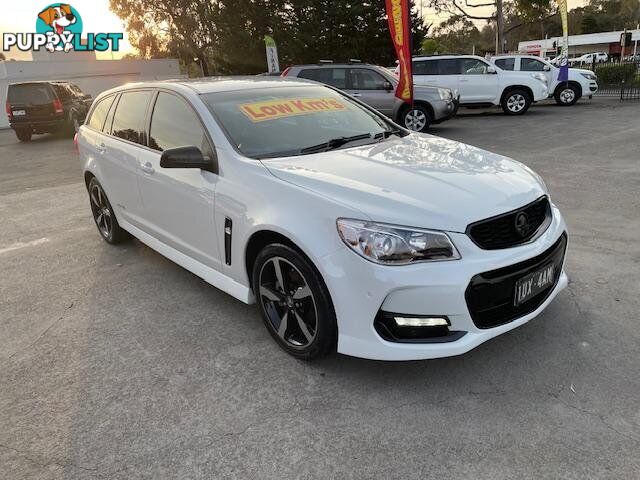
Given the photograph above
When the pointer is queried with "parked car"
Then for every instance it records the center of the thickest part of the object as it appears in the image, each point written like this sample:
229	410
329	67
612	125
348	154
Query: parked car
376	87
479	82
581	82
349	232
596	57
45	107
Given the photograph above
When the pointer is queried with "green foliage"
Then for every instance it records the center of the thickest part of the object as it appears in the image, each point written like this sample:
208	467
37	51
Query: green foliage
227	36
614	74
430	46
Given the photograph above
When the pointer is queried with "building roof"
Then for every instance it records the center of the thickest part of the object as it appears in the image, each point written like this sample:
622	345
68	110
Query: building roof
575	40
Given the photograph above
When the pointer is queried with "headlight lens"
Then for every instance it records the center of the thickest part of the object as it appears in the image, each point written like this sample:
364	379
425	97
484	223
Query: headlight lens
393	245
445	94
589	76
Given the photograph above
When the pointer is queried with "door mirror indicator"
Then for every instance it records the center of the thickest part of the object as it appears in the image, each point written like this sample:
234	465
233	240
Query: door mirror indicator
186	157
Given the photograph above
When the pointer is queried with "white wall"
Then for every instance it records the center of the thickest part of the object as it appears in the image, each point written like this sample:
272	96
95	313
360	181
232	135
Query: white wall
92	76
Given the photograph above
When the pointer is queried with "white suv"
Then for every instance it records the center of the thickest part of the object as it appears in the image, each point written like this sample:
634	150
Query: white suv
349	232
581	82
479	82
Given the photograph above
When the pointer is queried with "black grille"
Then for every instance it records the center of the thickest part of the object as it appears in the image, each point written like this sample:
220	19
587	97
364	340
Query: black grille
502	231
490	295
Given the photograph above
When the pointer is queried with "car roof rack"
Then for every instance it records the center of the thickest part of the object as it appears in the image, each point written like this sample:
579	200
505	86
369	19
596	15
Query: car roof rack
321	62
355	60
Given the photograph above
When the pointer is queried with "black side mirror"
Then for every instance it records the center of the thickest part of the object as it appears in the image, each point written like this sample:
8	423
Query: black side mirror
388	86
186	157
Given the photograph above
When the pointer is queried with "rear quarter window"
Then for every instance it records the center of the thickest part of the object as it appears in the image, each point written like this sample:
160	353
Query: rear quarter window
30	94
100	112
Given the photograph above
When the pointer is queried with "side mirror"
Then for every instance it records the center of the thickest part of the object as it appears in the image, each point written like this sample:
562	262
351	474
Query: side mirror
388	86
186	157
546	68
491	70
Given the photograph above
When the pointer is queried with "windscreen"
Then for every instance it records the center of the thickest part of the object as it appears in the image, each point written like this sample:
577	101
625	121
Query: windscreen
280	121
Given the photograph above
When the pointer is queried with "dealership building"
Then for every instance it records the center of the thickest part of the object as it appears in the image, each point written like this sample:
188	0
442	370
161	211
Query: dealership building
607	42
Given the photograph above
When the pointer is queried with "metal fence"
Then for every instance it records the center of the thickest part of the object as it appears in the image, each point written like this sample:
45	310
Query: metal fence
618	79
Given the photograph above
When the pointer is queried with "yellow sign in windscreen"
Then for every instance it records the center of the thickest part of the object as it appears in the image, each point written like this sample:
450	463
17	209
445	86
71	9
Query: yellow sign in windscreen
289	107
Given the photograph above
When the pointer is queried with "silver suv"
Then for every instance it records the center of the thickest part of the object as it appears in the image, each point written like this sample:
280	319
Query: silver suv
376	86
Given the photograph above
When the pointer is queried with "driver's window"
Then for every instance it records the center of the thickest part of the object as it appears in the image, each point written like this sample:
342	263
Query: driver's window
365	79
472	66
531	65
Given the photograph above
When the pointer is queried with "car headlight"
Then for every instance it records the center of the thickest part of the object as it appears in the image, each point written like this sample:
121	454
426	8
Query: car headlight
393	245
589	76
540	76
445	94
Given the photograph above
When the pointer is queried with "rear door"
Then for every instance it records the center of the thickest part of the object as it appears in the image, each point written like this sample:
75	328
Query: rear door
179	202
425	72
120	152
477	85
31	102
371	88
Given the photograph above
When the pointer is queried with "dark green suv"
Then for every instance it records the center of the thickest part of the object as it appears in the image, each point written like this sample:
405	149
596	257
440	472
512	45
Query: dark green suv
46	107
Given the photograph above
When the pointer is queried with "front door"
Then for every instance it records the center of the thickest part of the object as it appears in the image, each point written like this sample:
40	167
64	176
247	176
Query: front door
371	88
178	203
476	84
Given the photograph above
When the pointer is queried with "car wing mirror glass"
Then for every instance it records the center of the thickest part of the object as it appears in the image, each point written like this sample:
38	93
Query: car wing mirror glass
186	157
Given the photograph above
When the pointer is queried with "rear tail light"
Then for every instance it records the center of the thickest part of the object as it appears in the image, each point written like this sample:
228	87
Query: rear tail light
57	105
9	114
286	72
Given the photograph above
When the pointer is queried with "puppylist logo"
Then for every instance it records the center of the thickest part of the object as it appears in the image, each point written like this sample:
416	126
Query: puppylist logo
59	28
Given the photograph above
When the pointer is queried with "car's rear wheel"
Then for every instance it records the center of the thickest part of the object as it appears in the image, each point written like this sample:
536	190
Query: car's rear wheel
516	102
417	118
294	302
566	95
103	215
24	134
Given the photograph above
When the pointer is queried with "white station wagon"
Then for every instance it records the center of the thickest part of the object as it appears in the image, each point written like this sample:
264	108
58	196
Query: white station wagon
349	232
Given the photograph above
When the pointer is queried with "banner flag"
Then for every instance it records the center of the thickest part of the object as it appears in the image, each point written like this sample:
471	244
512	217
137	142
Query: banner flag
400	29
273	65
563	76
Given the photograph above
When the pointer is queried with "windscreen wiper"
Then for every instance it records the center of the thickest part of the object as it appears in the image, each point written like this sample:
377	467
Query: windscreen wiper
334	143
388	133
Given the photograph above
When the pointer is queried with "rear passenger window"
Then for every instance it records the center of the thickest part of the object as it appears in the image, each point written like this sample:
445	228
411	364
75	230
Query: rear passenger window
425	67
128	121
448	66
100	113
336	77
506	63
175	124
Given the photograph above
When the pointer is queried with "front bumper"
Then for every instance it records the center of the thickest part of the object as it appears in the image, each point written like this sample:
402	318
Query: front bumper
361	289
445	110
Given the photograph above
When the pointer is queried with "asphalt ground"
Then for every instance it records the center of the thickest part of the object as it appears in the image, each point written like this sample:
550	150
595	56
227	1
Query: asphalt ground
117	363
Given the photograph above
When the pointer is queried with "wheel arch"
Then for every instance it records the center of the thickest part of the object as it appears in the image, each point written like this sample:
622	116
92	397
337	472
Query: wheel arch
511	88
405	106
573	83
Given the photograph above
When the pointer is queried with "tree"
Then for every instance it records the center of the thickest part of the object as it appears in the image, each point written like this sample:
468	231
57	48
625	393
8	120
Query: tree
430	46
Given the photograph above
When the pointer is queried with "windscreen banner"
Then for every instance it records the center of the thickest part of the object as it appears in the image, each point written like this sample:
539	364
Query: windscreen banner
563	76
400	29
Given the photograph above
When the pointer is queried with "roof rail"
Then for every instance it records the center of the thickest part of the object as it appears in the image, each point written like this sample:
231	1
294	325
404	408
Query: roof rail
355	60
325	61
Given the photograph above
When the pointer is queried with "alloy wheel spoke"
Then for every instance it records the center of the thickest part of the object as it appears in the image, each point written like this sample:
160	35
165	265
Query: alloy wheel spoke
272	295
278	270
94	198
99	219
282	328
302	292
303	327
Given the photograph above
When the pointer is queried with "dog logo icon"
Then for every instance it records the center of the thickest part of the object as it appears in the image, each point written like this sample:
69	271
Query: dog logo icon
59	18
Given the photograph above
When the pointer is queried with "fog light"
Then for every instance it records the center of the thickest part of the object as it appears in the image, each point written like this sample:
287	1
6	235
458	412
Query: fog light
421	321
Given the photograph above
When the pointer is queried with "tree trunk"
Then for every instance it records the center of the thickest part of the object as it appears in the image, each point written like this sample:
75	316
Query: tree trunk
499	27
202	60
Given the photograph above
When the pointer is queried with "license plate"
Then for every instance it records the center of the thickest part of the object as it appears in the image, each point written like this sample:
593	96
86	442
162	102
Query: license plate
532	284
17	113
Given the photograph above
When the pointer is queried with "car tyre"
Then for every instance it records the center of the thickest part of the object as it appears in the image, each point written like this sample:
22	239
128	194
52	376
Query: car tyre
24	134
566	95
294	302
417	119
104	216
516	102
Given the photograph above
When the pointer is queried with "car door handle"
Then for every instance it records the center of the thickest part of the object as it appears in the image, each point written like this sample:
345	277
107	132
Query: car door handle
101	147
147	168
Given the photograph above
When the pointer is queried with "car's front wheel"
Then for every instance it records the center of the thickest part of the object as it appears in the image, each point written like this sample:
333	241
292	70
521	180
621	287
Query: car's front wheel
294	302
516	102
104	216
417	118
566	95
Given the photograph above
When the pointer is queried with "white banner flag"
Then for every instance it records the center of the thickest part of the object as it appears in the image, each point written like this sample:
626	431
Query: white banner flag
272	54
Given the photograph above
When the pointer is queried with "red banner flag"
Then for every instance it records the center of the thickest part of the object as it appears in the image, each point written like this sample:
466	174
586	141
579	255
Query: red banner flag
400	28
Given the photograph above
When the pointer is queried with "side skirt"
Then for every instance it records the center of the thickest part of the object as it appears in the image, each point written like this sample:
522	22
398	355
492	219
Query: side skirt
208	274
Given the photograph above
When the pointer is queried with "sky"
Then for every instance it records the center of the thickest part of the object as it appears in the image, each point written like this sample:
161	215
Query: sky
97	17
